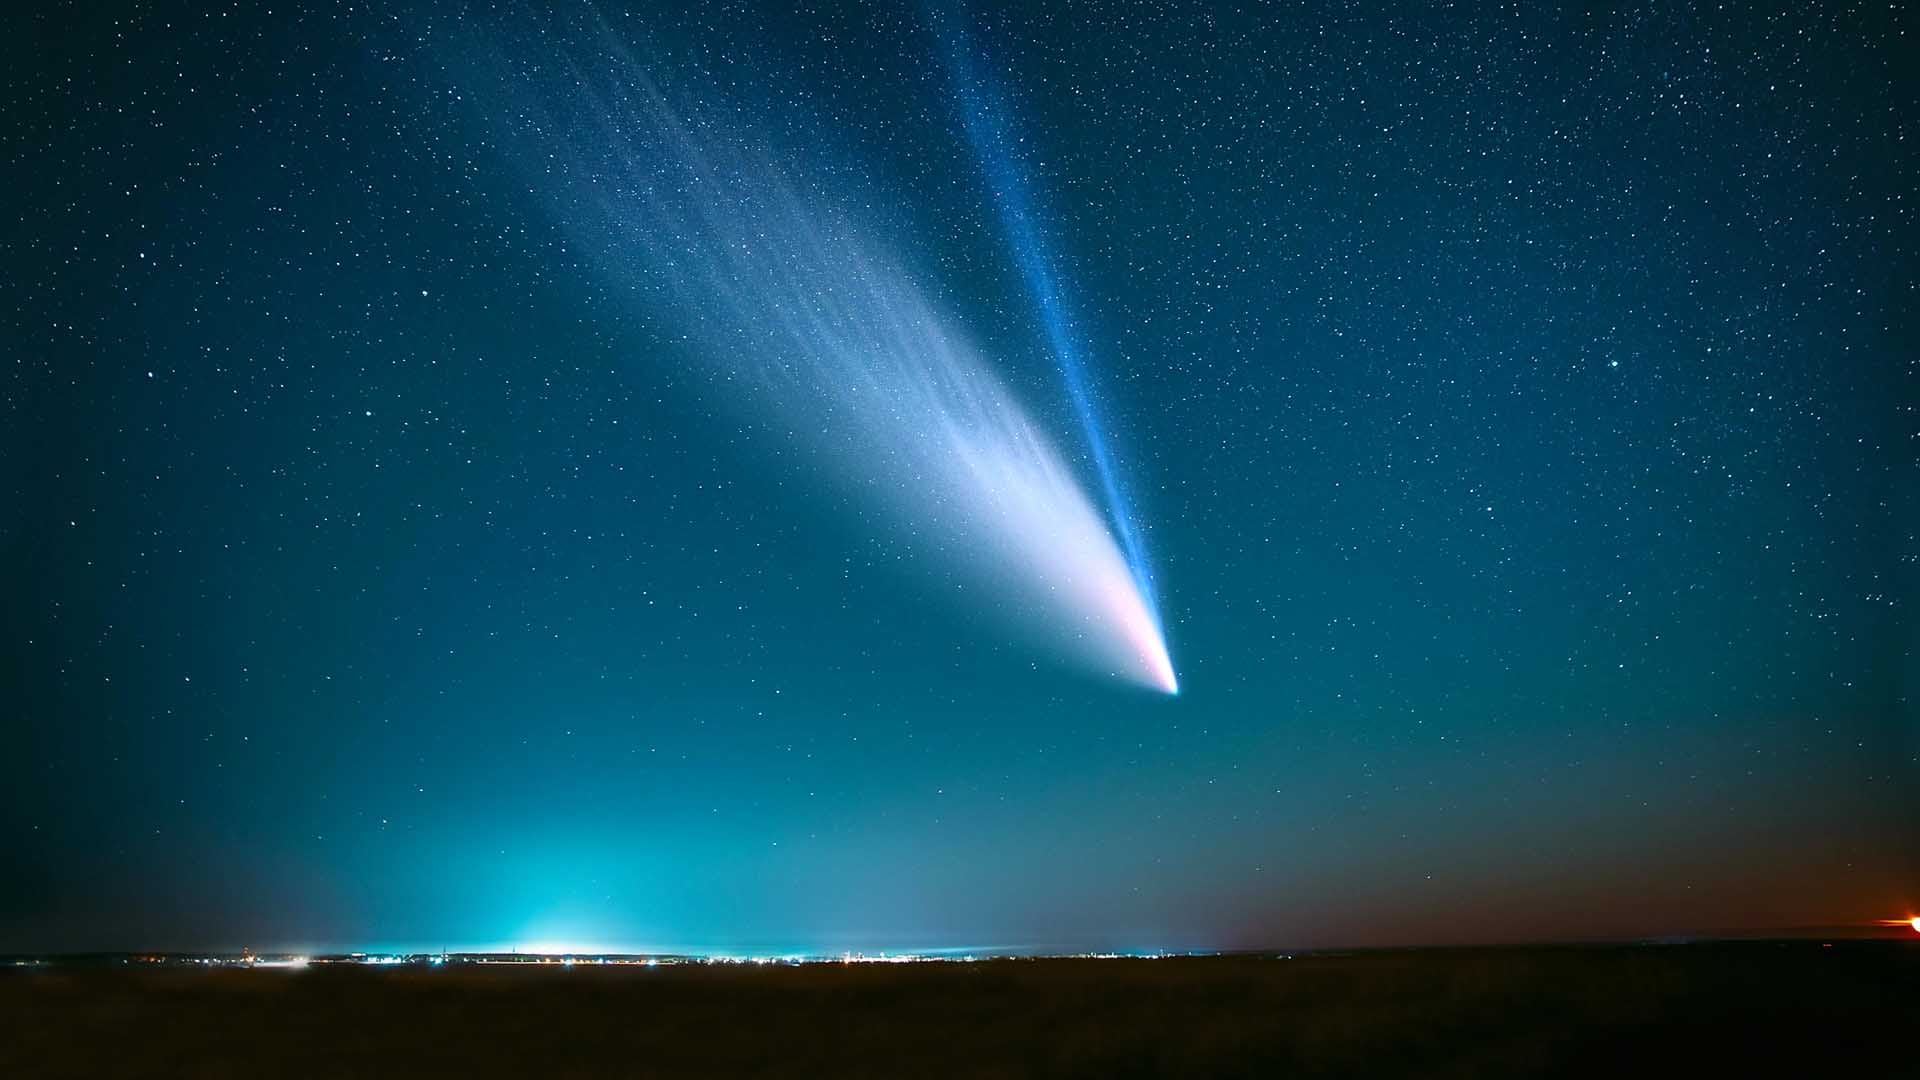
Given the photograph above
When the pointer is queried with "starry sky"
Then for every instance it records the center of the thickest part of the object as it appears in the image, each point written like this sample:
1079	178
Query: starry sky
1519	408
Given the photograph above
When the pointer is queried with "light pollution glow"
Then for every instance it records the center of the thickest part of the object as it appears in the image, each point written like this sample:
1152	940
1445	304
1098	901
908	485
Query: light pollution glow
828	342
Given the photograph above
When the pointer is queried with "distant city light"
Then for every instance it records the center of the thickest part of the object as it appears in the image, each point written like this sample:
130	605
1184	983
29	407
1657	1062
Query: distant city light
551	955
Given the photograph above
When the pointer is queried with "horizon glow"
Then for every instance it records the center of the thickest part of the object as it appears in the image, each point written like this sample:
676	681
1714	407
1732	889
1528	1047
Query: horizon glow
813	328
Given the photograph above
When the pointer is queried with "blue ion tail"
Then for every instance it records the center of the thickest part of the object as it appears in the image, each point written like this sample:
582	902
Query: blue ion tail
984	115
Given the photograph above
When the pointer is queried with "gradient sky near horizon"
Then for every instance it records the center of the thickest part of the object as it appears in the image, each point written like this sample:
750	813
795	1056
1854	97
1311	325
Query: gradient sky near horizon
1520	409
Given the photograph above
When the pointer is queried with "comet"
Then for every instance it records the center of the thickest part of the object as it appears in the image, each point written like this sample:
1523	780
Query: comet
987	120
774	274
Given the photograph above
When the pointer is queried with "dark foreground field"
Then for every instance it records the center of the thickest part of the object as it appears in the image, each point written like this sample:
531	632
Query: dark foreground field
1747	1009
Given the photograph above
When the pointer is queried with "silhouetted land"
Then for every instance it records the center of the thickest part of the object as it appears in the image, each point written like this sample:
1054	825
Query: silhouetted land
1715	1010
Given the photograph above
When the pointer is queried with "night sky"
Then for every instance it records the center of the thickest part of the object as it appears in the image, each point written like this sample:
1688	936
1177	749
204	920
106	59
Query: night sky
1518	412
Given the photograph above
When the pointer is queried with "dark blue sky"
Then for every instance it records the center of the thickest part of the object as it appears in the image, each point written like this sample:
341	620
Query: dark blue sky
1520	409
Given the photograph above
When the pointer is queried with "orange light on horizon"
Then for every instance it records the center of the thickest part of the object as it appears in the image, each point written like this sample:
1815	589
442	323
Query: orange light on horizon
1915	923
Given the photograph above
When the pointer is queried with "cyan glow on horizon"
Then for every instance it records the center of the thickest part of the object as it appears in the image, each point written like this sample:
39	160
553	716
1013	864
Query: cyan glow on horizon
390	954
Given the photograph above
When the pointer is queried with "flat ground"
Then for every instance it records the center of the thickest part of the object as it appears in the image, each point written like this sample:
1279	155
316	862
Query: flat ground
1715	1010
